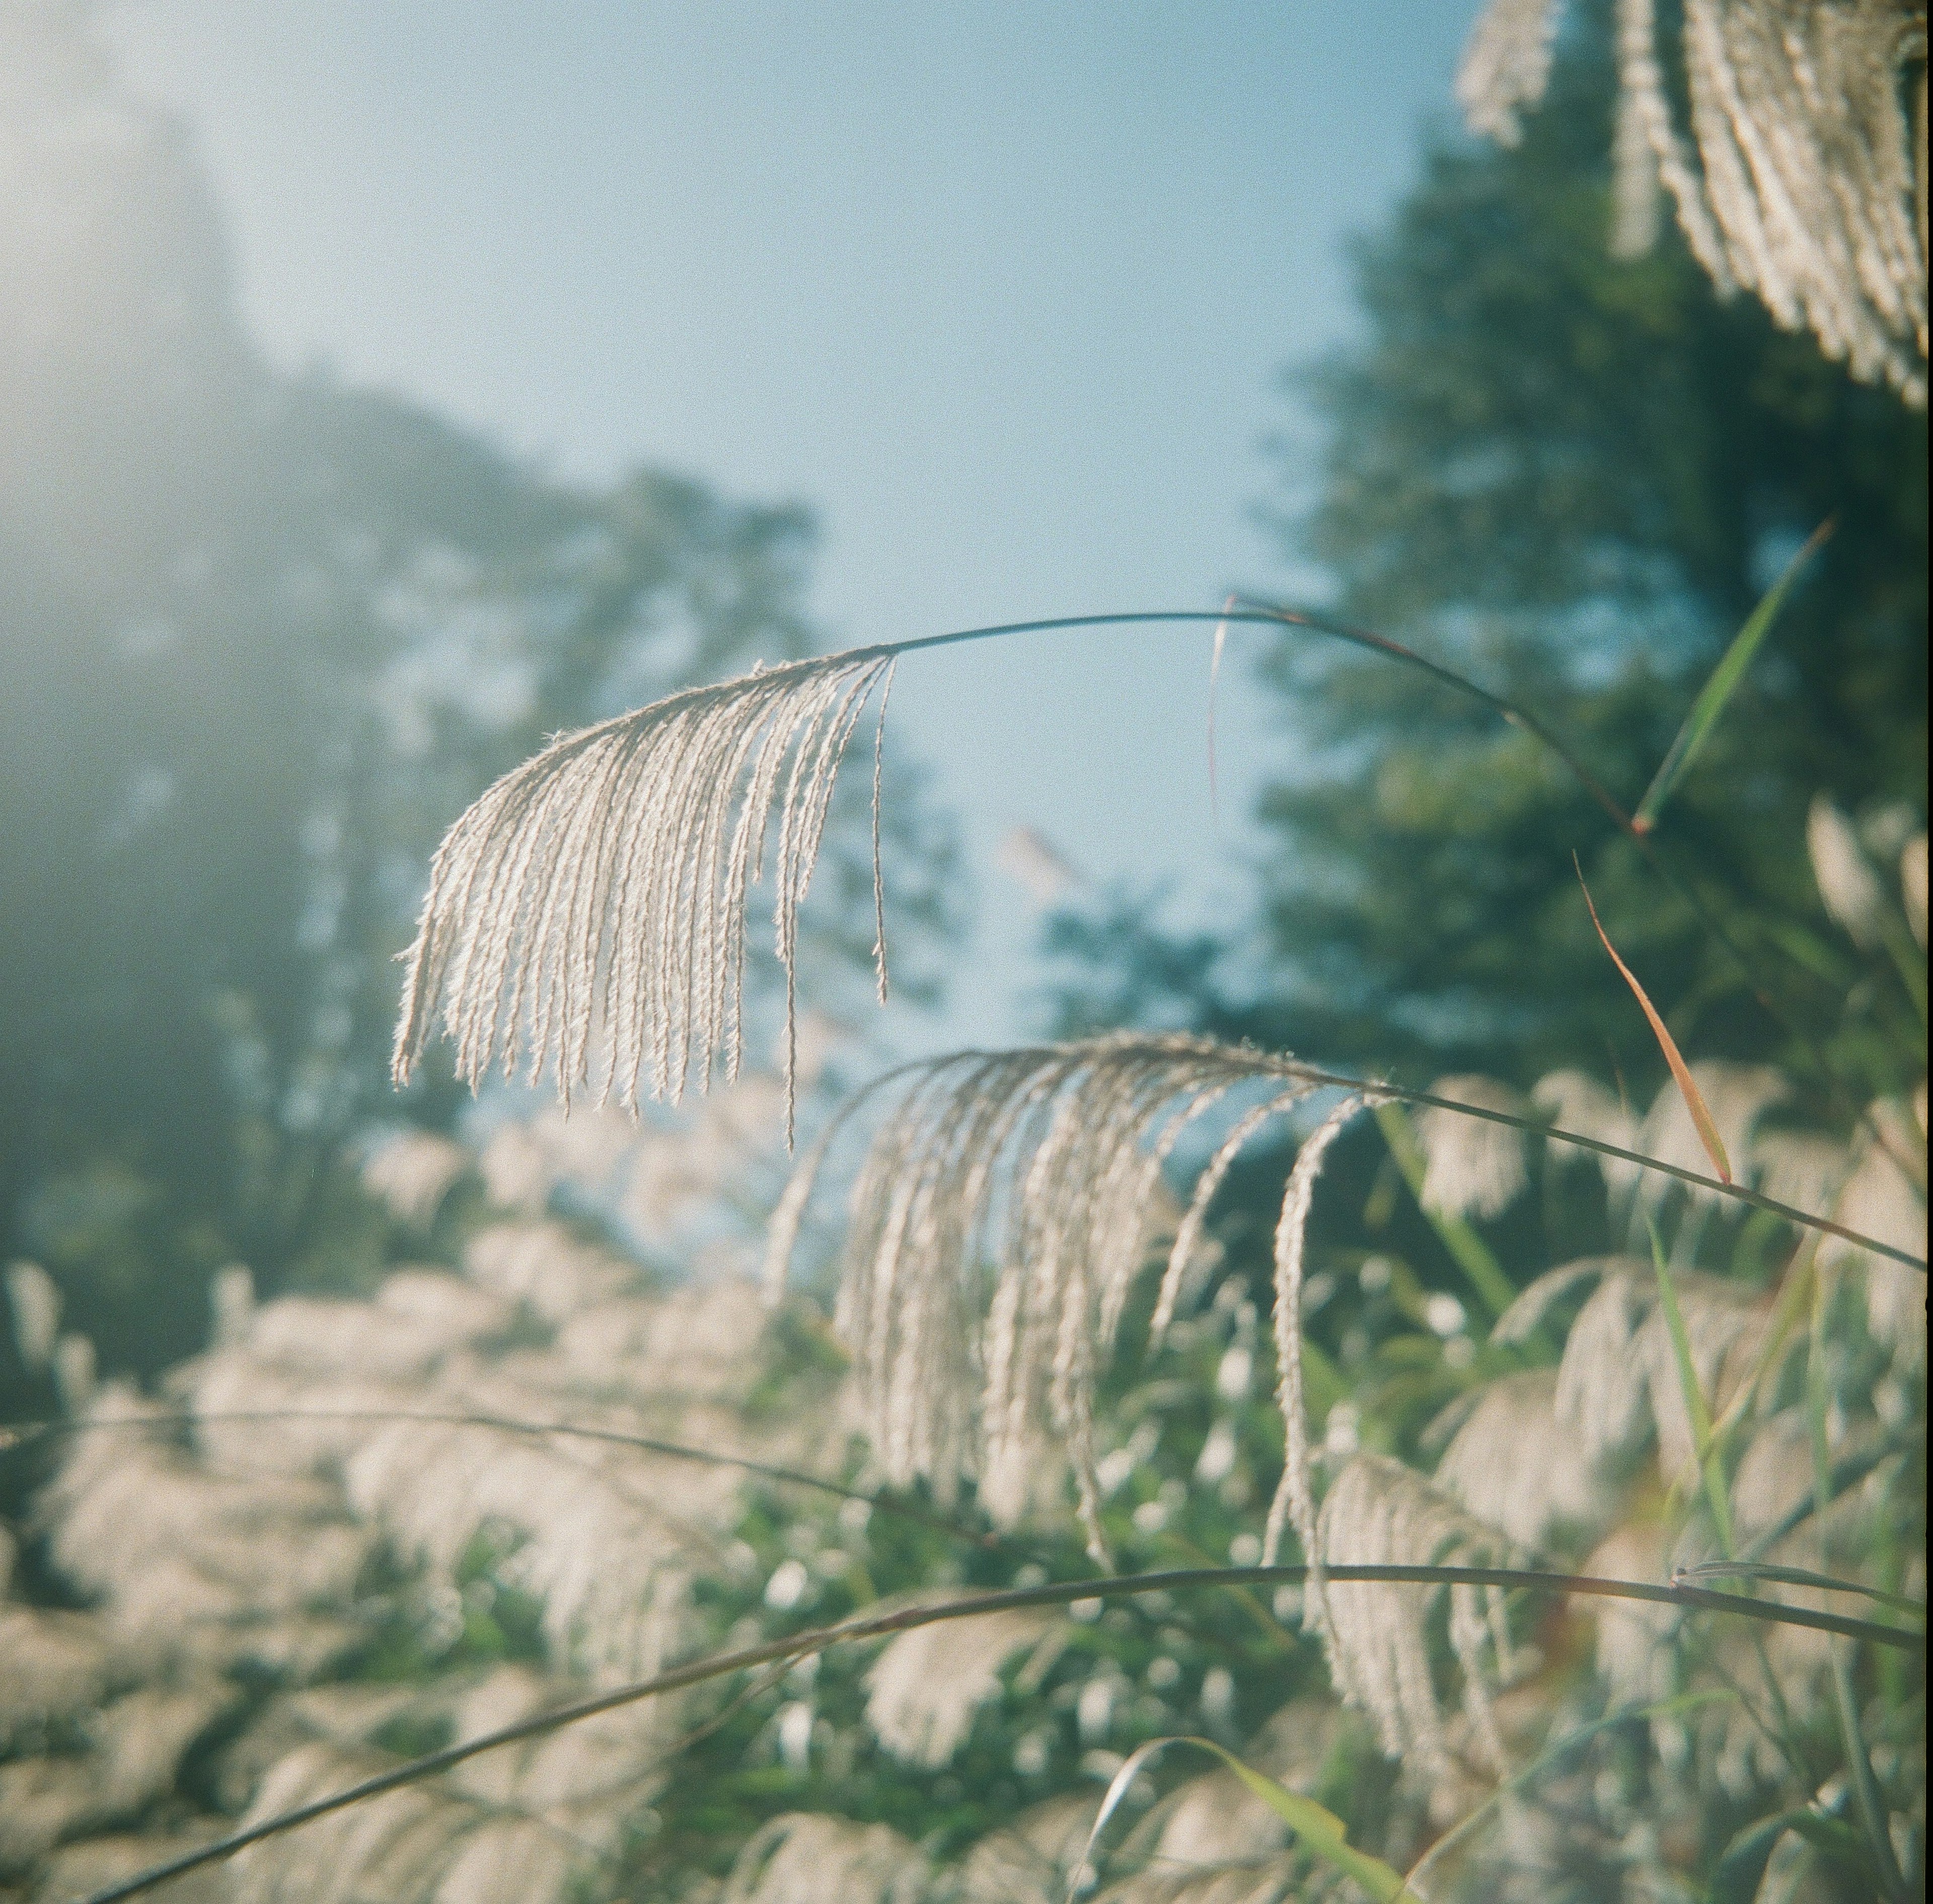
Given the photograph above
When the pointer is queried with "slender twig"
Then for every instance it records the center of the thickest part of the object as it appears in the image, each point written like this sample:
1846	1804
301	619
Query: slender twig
796	1646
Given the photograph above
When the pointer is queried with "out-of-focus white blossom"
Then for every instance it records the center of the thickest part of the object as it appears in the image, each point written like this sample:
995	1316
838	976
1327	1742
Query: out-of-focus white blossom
926	1687
1472	1167
809	1857
1512	1466
1847	882
36	1304
413	1172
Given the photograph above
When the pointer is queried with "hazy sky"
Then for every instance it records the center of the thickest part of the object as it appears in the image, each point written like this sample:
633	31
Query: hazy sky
1003	291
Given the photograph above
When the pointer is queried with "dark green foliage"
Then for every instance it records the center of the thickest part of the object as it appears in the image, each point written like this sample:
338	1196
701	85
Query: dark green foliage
1570	477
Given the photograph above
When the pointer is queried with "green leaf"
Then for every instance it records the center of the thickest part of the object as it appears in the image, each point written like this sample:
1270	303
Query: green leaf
1723	684
1708	1464
1681	1073
1741	1869
1317	1828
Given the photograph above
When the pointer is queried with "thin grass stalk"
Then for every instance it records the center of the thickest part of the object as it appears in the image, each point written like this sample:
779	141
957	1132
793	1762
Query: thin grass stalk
801	1645
1640	835
19	1434
438	969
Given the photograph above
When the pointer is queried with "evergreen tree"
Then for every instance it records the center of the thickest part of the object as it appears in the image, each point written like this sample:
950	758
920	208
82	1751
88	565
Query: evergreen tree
1570	477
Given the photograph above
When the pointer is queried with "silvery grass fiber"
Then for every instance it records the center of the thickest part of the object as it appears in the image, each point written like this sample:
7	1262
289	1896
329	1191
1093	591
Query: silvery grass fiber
1005	1210
1801	175
586	917
234	1555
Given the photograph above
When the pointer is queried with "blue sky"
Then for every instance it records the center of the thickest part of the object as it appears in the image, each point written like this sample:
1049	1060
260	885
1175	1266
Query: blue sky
1002	291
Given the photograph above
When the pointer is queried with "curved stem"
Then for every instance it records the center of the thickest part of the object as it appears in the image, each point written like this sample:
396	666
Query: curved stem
1639	835
796	1646
16	1434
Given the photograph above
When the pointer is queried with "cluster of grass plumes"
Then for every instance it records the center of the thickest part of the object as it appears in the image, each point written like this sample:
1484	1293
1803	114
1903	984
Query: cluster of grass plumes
1799	172
355	1530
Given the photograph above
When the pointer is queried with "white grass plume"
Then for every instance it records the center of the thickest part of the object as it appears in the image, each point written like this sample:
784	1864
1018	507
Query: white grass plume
1006	1206
1511	1465
1379	1512
1737	1096
1294	1501
412	1172
586	917
810	1857
1575	1100
924	1690
35	1300
1848	886
1912	886
1506	66
1471	1167
1882	1201
1801	176
1618	1382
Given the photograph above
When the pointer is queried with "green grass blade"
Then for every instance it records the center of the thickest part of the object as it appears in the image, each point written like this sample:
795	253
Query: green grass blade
1723	684
1796	1576
1709	1466
1472	1254
1317	1828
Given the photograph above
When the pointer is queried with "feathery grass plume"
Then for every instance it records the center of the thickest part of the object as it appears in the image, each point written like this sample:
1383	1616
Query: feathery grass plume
1294	1501
540	1263
412	1172
1506	66
810	1857
1880	1200
1725	1325
1617	1382
1600	1399
1513	1467
1803	176
35	1300
1379	1512
74	1371
231	1303
1215	1819
1575	1100
1736	1095
140	1739
1471	1167
924	1690
59	1667
526	1841
187	1560
996	1228
1809	169
1636	176
1801	1168
42	1801
586	917
1848	884
1912	886
1030	1861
